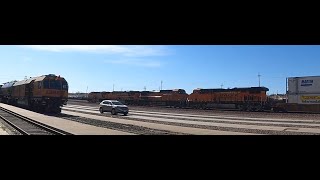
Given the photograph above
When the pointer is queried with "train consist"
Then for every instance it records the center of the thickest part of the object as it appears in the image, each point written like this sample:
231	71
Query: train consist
303	95
251	99
47	93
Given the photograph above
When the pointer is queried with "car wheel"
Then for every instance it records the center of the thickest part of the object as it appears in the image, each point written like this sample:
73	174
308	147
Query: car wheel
101	110
125	114
113	112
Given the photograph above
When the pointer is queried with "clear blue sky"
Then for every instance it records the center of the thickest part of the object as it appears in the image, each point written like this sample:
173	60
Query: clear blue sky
186	66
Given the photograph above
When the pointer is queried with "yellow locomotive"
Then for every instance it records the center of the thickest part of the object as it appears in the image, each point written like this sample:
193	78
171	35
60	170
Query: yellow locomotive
47	93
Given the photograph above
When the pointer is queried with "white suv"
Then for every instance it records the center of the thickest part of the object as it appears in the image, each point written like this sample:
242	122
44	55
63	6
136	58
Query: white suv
114	107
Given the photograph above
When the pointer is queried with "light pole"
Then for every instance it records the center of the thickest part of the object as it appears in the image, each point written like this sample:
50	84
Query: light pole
259	78
87	92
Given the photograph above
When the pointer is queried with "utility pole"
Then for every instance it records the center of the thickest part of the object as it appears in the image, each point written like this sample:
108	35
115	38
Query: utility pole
87	92
161	85
259	78
221	85
145	88
113	88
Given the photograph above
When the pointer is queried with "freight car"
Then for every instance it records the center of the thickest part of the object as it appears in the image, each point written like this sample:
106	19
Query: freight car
45	93
303	95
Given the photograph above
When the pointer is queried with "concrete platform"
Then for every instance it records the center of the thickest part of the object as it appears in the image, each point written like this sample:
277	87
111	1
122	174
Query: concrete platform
2	130
63	124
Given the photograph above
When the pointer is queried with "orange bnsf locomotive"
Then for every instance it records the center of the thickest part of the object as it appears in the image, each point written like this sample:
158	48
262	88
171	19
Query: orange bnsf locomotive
47	93
245	99
175	97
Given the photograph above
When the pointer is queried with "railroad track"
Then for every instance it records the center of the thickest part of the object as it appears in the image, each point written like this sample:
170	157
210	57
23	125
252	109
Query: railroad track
135	129
85	102
218	123
27	126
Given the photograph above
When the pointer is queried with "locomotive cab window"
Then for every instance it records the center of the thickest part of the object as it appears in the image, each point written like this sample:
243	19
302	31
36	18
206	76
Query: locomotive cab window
182	92
52	84
64	85
39	85
55	84
46	84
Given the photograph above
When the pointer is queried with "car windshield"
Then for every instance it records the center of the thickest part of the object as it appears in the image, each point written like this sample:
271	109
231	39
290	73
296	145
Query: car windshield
116	103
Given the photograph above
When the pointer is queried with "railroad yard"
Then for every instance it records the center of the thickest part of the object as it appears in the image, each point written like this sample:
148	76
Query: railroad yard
80	117
138	90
